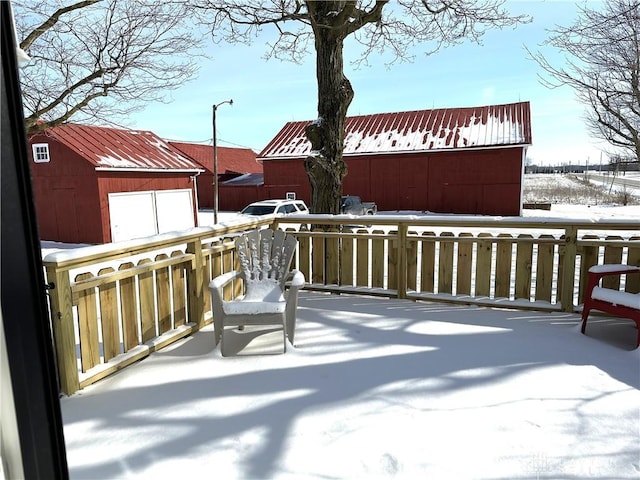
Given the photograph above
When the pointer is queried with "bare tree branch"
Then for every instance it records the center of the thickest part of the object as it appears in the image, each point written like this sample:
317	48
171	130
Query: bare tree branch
98	61
51	21
602	49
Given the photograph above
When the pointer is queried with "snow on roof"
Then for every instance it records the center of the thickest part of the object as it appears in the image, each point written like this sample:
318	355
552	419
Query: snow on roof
420	130
246	179
116	148
230	159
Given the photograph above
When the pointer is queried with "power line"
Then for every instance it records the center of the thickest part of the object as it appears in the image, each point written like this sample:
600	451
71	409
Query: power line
209	141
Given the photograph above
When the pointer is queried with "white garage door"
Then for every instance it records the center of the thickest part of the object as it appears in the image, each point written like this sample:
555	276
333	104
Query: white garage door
174	210
141	214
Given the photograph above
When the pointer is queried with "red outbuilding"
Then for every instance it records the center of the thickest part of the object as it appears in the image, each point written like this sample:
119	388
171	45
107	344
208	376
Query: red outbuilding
233	162
97	184
449	160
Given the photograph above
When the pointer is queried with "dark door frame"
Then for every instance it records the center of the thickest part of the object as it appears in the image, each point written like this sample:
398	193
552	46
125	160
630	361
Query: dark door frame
25	320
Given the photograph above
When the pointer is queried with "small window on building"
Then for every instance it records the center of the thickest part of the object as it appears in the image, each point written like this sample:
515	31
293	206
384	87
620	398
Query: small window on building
41	152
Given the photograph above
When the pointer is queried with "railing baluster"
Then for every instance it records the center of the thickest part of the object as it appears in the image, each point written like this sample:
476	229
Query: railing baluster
544	269
109	317
179	297
427	270
567	269
632	283
483	264
465	259
503	266
377	260
88	326
163	295
524	259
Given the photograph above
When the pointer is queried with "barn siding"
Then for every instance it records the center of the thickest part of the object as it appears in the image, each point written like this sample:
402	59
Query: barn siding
235	198
66	196
468	181
205	190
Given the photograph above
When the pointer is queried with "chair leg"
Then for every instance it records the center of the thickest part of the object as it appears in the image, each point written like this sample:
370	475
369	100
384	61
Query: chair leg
585	314
284	338
217	330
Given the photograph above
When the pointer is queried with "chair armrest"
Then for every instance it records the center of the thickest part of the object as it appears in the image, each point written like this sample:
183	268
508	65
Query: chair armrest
298	279
597	272
600	271
216	287
221	280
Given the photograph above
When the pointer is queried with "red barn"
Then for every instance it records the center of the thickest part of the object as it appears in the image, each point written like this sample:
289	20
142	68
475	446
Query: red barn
449	160
232	163
97	184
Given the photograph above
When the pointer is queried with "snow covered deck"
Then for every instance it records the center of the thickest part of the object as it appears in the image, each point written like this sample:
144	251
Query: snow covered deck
375	388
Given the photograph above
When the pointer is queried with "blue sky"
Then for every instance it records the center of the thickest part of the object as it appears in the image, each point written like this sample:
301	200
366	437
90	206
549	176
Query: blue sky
267	94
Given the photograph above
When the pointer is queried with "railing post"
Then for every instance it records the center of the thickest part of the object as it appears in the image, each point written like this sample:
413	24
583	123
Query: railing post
195	283
63	331
402	260
568	269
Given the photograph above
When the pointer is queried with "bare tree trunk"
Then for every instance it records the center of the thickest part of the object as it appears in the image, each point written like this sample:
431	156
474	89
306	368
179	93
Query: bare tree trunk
324	166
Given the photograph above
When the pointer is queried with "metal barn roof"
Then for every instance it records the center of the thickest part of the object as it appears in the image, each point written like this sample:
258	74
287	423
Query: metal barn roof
230	159
417	131
119	149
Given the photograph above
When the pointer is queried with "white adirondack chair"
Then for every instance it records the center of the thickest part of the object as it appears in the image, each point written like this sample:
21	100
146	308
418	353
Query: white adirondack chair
265	258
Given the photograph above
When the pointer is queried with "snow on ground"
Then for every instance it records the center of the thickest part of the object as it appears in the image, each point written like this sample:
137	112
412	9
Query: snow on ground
374	389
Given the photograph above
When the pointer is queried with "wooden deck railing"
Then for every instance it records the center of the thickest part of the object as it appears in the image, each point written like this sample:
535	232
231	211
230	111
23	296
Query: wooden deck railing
114	304
517	262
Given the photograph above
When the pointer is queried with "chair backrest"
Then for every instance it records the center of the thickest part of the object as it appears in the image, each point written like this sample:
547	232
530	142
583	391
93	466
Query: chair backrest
265	258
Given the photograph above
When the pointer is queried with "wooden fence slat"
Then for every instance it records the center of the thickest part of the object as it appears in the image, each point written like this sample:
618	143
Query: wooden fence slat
567	269
445	264
109	317
378	260
392	265
317	259
588	258
465	258
524	260
179	292
238	284
163	293
128	309
208	276
483	264
147	305
504	256
304	254
544	269
346	259
412	262
428	262
362	265
88	326
228	291
612	255
332	258
632	284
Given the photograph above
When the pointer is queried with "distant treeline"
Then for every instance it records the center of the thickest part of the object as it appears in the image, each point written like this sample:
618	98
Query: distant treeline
614	167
